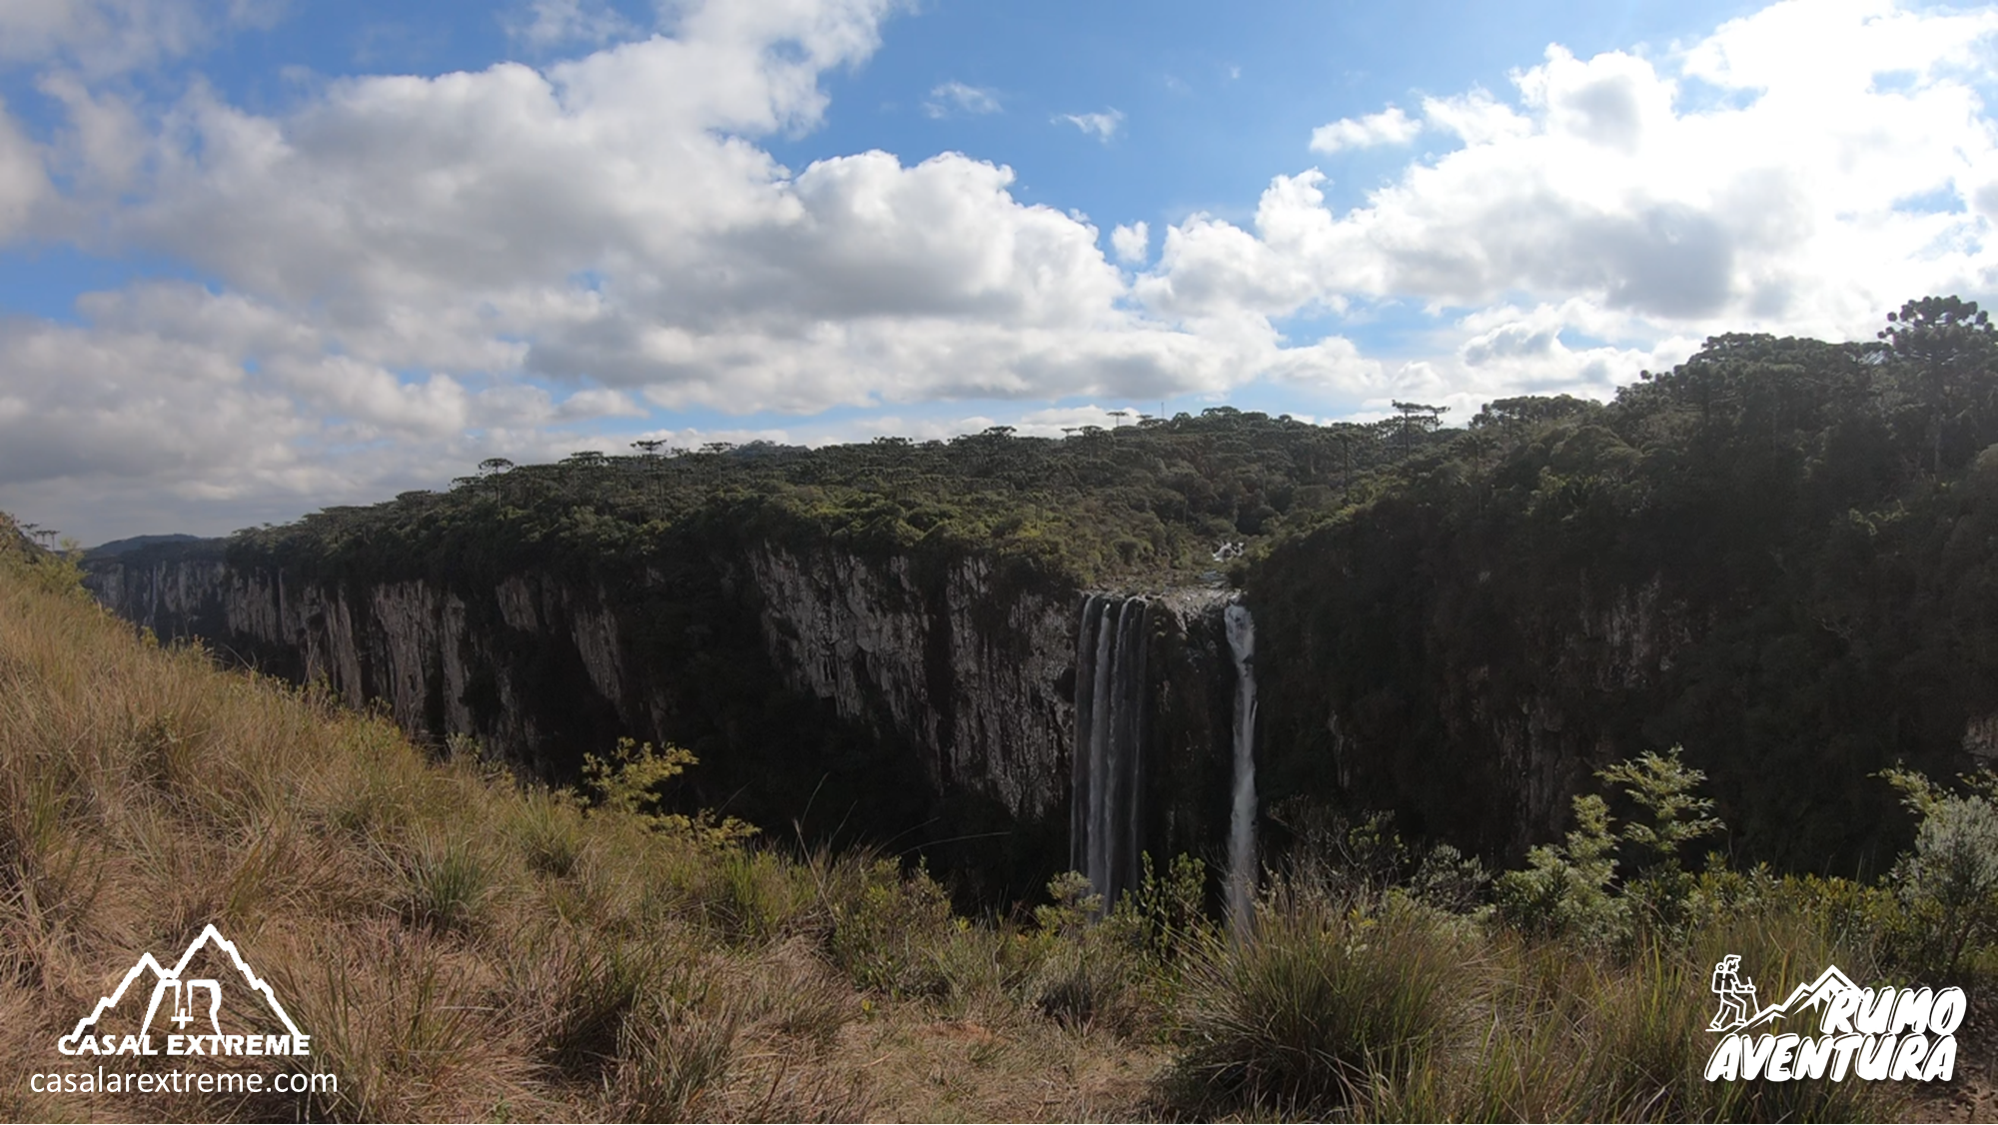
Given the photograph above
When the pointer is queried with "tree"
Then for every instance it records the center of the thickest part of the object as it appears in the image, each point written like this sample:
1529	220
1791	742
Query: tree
1532	409
1418	416
1947	340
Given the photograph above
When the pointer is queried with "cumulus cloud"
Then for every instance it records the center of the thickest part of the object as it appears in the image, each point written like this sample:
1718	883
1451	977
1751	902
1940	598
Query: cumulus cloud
1507	350
1785	207
121	404
24	183
101	37
1475	117
216	410
548	24
1102	125
1389	127
422	267
606	220
955	97
1132	243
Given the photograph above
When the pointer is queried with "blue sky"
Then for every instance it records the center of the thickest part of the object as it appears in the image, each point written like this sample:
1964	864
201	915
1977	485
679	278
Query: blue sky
259	257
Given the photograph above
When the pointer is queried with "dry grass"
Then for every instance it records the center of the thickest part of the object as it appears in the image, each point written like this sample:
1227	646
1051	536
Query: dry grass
457	947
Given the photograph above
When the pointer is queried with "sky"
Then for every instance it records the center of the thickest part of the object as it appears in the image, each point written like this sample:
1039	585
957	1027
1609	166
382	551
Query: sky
262	256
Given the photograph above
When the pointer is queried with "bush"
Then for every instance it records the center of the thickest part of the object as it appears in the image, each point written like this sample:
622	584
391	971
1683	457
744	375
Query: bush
1570	890
887	928
1565	890
1318	1008
446	884
1949	882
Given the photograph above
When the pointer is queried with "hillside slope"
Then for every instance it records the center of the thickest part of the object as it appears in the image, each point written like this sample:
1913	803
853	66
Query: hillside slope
456	946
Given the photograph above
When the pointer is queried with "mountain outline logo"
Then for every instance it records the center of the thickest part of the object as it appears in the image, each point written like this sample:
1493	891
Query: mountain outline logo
192	1022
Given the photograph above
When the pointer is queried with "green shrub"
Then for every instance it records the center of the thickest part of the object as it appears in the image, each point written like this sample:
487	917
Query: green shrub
750	895
1571	889
446	884
549	829
1565	889
888	927
628	782
1949	881
1318	1008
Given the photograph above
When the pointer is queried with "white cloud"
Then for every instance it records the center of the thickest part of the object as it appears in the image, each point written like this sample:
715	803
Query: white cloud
100	147
1132	243
101	37
956	97
549	24
24	183
1102	125
406	265
1475	117
606	220
1509	351
1389	127
1785	209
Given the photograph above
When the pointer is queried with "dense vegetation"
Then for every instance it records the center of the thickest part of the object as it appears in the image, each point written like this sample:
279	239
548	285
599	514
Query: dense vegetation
1099	506
1783	554
460	945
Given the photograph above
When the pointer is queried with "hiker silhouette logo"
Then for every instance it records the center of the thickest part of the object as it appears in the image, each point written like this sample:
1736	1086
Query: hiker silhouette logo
1732	987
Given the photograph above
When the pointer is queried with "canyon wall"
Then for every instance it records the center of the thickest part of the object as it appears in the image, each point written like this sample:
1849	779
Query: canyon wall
925	702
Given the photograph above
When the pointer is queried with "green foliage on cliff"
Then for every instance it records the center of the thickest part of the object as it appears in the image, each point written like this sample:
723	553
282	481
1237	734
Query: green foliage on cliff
56	572
1098	505
1783	554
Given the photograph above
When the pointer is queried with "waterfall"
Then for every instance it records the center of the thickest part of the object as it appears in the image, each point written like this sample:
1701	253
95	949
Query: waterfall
1242	814
1106	814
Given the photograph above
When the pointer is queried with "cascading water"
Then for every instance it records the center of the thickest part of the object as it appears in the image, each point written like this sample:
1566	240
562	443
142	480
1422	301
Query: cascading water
1106	816
1241	629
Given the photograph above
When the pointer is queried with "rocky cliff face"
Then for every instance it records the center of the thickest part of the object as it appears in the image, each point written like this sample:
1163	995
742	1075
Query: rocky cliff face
1476	723
933	701
935	697
973	677
940	697
177	594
